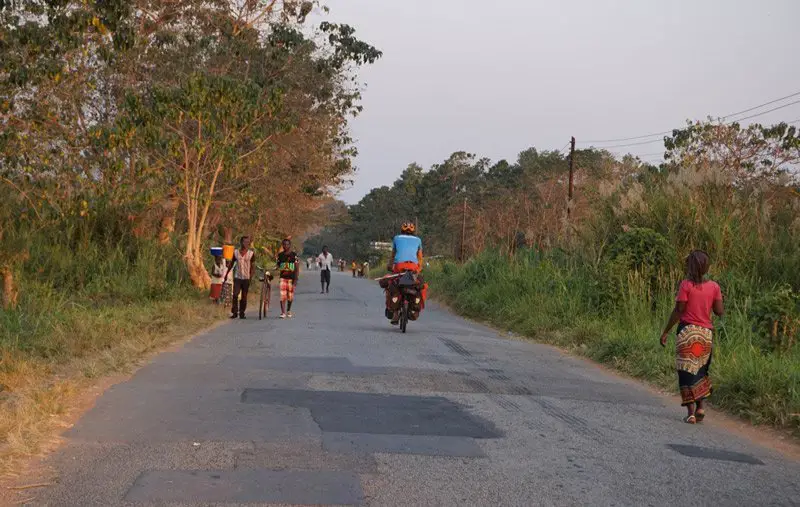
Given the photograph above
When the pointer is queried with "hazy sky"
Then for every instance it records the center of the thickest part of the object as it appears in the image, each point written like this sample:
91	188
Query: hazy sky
495	77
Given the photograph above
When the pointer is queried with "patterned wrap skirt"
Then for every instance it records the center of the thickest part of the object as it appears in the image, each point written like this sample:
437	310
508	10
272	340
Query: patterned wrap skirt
693	360
226	294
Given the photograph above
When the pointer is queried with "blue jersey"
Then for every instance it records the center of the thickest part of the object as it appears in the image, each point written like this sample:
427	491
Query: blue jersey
406	248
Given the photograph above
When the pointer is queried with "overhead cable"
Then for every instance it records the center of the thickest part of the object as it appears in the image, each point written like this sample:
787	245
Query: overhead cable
645	136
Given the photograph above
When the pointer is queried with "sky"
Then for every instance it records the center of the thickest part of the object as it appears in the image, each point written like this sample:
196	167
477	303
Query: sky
496	77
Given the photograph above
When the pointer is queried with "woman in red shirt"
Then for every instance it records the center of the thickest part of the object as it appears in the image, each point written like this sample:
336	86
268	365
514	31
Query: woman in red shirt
697	298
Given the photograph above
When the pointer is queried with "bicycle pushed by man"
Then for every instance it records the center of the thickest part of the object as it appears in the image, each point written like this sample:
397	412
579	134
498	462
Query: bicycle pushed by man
244	269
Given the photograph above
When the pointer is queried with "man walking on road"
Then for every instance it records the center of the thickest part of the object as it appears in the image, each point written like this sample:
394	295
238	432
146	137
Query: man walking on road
243	272
325	261
289	271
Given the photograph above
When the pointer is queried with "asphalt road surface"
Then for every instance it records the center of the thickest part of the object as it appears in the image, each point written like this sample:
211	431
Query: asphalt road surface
338	407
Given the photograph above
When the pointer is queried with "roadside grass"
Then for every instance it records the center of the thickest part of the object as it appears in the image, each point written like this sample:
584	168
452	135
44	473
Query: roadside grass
81	318
555	301
77	348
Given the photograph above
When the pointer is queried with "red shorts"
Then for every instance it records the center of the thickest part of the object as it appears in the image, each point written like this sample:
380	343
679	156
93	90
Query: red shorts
287	289
406	266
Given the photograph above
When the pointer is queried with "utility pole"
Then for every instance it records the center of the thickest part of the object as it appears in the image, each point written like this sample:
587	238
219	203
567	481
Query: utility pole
571	166
463	229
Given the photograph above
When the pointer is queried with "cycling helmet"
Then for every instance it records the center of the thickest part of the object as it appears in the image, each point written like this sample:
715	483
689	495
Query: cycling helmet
408	228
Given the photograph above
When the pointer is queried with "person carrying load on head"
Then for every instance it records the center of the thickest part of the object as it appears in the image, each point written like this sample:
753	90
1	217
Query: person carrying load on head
218	271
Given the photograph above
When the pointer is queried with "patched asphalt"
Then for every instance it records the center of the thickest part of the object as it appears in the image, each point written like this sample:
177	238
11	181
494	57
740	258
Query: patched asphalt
336	407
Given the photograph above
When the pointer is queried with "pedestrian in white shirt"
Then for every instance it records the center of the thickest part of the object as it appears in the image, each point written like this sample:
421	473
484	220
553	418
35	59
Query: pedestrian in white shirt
325	263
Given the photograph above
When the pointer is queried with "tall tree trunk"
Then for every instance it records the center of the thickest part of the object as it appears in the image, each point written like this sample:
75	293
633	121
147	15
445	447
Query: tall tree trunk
194	260
201	273
193	255
197	223
169	210
10	292
197	270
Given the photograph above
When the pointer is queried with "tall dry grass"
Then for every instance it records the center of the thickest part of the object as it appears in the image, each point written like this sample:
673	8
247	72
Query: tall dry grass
566	300
85	311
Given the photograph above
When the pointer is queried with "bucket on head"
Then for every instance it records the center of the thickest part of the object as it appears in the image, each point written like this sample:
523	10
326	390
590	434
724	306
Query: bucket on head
227	252
216	250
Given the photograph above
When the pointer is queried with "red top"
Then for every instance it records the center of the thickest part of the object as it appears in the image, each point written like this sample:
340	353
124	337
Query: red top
699	299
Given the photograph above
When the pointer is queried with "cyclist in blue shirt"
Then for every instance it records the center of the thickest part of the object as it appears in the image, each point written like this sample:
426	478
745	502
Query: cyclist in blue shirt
406	256
406	250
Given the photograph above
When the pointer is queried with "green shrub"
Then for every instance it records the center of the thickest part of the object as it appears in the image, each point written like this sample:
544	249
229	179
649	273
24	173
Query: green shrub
643	249
611	312
776	317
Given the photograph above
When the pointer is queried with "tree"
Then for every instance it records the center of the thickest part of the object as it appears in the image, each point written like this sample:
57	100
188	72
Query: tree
738	155
211	108
223	131
50	57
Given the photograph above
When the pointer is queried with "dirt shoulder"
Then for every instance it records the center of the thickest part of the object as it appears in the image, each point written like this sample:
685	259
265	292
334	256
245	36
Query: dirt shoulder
48	398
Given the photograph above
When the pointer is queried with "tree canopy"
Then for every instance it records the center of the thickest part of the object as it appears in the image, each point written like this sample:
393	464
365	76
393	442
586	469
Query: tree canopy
226	113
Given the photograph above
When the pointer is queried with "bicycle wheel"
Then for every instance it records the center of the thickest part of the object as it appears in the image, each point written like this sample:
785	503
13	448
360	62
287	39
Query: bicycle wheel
404	316
261	302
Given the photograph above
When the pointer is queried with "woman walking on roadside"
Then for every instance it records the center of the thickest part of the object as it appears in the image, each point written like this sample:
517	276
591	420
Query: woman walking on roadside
227	286
697	298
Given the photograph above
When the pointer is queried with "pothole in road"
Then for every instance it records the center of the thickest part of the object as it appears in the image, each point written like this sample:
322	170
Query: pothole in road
387	414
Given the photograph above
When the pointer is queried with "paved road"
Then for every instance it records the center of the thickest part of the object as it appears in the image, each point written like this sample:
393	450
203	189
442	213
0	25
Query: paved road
337	407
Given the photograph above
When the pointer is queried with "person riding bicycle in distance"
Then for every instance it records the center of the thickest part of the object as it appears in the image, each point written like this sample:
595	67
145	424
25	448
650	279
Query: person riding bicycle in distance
406	250
406	256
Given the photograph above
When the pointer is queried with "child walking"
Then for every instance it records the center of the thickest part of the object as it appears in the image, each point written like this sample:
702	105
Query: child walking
218	271
696	299
289	269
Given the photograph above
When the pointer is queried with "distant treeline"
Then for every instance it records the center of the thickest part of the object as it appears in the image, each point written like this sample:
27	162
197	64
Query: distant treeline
725	188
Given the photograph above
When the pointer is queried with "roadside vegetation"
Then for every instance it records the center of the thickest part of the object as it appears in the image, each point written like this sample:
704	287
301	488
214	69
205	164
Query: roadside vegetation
566	301
81	316
133	136
602	280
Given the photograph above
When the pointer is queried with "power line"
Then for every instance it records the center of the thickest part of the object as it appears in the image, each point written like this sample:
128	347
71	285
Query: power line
630	144
645	136
642	156
662	152
630	138
762	105
767	111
